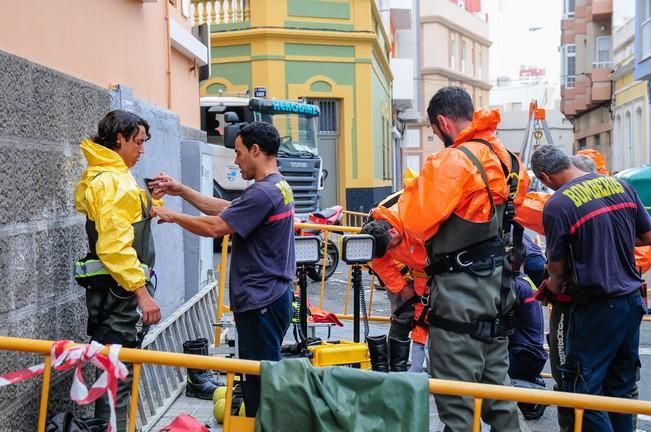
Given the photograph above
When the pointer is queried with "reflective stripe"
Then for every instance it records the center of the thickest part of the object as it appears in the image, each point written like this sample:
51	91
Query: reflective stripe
90	268
280	216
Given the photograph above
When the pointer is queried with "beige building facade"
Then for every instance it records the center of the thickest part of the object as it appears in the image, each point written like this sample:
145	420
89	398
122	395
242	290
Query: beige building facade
454	47
586	65
145	45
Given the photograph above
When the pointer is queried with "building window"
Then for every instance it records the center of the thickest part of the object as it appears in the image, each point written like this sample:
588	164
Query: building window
480	60
462	55
582	143
453	51
603	53
645	20
413	162
329	116
568	8
412	139
568	65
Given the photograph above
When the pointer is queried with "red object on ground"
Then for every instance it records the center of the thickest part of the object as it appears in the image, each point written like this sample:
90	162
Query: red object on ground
185	423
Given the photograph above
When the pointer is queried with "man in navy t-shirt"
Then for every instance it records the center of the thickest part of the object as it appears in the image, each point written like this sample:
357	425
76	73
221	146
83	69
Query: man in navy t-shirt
527	356
262	261
592	224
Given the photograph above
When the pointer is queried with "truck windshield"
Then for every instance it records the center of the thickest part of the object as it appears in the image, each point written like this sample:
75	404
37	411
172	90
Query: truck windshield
297	133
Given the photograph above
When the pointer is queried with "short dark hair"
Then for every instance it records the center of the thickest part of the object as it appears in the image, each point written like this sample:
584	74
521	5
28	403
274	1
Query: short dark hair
263	134
380	232
119	121
549	159
452	102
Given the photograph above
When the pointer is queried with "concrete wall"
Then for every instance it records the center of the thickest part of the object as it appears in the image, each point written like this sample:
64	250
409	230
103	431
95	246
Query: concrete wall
162	154
44	114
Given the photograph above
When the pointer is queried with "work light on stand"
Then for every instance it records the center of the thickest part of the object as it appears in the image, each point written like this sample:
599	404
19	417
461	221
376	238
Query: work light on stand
357	250
306	250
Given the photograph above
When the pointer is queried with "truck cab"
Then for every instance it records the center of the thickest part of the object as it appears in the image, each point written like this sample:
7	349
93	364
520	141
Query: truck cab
298	158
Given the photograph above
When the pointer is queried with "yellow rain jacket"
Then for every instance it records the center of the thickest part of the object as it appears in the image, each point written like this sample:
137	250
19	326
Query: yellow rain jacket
113	201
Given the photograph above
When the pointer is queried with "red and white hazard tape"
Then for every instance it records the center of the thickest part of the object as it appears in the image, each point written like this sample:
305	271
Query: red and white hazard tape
65	355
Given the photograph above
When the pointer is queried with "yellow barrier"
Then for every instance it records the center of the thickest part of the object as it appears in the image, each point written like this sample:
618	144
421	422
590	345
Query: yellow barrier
580	402
327	229
356	219
222	286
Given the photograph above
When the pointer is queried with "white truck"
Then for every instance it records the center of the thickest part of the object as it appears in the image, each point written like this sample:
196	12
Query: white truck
298	157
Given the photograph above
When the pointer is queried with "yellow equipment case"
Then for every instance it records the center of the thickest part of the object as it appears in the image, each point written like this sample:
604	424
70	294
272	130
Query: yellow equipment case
340	353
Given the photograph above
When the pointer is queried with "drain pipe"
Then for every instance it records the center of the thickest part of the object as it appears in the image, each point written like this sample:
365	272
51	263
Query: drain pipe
168	40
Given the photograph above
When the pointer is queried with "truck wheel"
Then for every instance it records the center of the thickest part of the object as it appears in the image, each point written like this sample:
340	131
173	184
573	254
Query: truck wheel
332	261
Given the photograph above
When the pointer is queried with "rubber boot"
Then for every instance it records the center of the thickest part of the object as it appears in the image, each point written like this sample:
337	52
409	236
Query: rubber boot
200	383
378	350
204	351
399	352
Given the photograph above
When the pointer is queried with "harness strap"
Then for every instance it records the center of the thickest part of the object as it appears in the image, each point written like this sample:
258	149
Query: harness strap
422	318
471	259
507	222
482	172
482	330
406	305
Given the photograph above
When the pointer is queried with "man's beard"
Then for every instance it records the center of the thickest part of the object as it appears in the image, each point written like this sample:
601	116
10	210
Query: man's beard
447	141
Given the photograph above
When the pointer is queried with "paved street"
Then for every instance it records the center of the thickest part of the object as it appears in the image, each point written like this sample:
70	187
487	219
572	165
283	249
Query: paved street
333	302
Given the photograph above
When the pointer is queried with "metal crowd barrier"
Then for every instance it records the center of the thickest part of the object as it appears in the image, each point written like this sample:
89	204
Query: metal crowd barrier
355	219
479	392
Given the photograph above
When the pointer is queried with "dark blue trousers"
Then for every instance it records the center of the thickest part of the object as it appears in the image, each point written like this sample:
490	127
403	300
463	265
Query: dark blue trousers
260	334
602	355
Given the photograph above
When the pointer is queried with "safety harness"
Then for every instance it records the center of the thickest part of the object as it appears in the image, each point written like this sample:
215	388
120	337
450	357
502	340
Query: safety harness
482	259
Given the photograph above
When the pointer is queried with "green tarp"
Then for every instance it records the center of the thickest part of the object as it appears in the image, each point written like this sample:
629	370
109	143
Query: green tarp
640	179
298	397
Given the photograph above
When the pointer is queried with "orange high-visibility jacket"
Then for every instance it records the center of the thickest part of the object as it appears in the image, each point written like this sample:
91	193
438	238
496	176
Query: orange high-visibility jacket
449	183
409	252
597	157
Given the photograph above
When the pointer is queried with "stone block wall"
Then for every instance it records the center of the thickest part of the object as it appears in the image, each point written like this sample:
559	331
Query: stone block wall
44	115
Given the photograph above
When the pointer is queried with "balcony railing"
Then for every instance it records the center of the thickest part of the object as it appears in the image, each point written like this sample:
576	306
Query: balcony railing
602	65
217	12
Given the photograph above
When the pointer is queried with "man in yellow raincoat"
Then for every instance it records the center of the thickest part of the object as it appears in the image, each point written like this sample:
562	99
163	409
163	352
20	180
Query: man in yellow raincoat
116	272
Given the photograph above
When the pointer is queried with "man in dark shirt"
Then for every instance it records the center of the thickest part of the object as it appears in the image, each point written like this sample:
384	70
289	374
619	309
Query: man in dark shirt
527	355
592	224
534	260
262	261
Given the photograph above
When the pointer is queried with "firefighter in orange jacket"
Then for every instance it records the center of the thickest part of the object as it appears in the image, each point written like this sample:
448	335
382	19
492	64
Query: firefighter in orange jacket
462	206
400	262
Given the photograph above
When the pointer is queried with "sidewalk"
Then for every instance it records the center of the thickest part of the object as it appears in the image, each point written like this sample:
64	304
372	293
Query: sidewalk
333	301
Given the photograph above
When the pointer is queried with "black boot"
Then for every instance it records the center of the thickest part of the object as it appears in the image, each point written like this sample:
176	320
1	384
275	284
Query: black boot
399	351
377	348
200	383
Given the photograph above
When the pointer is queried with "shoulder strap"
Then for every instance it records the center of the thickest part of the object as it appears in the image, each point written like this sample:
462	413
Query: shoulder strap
512	175
482	172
